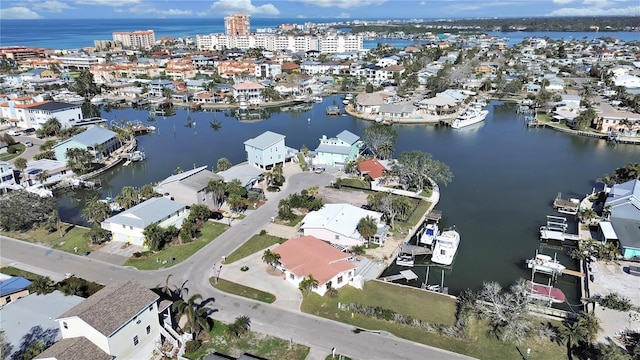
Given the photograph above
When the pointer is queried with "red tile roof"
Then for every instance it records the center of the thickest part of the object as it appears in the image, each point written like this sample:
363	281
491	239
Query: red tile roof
373	167
308	255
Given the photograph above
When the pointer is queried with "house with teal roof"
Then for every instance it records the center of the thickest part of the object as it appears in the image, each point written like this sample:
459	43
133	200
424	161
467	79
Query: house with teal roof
97	140
338	150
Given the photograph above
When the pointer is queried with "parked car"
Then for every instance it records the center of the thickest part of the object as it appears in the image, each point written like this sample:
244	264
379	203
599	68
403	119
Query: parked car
14	133
28	144
29	130
216	215
318	170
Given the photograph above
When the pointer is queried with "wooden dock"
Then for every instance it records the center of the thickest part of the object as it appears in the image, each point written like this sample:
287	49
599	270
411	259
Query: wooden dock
549	234
404	274
536	124
573	273
414	250
434	215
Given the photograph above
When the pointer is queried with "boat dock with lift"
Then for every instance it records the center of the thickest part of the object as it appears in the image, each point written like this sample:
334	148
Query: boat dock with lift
408	275
564	206
556	230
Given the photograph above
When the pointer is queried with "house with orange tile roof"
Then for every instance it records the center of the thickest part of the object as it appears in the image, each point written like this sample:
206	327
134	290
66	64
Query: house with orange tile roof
249	91
338	224
305	256
374	168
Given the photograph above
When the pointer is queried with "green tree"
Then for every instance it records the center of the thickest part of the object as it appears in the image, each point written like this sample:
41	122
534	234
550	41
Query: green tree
200	213
41	285
630	171
216	188
271	258
195	312
51	127
84	85
21	210
96	211
129	197
154	237
97	235
223	164
20	164
571	334
90	110
367	226
380	140
79	160
590	325
308	284
5	348
240	326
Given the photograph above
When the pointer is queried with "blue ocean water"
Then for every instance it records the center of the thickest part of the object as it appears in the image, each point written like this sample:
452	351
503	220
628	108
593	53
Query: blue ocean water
79	33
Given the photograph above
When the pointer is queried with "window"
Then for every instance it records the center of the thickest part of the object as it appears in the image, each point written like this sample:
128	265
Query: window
64	325
7	299
150	307
148	329
340	279
291	276
337	237
135	340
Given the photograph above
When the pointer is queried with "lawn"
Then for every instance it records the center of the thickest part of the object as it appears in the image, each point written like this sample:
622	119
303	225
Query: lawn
8	155
73	237
253	343
420	209
430	307
163	258
355	183
241	290
10	270
257	243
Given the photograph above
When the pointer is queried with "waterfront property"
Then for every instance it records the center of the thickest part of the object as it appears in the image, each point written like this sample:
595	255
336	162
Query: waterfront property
338	224
266	150
97	140
128	226
189	187
624	200
248	175
305	256
376	169
7	179
339	150
249	91
123	320
25	112
45	171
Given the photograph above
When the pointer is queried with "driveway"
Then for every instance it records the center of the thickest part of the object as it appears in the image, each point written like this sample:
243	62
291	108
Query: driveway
30	152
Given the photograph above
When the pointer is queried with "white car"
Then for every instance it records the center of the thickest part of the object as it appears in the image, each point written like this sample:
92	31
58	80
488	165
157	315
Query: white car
28	144
14	133
318	170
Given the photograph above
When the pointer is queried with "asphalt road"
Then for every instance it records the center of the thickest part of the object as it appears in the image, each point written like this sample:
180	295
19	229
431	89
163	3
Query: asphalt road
195	272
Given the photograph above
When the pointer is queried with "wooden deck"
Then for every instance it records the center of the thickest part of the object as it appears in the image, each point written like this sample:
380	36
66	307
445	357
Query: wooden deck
573	273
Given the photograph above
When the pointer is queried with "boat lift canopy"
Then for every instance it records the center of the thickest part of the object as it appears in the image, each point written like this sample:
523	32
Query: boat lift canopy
409	275
607	231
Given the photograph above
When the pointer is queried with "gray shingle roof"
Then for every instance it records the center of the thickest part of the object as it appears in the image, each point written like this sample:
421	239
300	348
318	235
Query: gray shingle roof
348	137
264	140
54	106
94	135
74	348
628	232
113	306
149	212
196	179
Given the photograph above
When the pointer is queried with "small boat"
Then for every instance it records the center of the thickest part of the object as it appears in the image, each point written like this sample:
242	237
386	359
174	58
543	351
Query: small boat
317	99
379	119
545	264
348	97
446	247
468	117
429	234
405	260
545	293
97	100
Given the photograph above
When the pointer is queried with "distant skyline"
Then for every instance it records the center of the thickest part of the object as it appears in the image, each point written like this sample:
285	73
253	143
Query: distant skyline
301	9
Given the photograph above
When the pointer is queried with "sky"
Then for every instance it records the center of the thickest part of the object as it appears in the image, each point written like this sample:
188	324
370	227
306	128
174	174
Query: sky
330	9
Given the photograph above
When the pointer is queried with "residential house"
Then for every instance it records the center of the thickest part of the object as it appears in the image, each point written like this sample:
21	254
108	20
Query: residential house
339	150
189	187
369	103
248	175
438	105
248	91
611	120
266	150
400	111
338	224
121	321
128	226
308	256
531	88
54	170
97	140
24	112
7	180
376	169
156	87
624	203
12	288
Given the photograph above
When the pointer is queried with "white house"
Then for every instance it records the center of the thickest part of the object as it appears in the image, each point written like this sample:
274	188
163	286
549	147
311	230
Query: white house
189	187
128	226
121	321
248	91
34	114
338	224
266	150
305	256
7	180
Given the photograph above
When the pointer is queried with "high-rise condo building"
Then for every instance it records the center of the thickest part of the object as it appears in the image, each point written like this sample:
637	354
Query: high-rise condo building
237	25
144	39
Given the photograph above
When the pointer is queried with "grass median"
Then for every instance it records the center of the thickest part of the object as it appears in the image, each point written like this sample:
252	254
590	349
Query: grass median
70	239
164	257
257	243
241	290
436	309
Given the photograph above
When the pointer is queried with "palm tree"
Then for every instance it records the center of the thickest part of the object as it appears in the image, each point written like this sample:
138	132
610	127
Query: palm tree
41	285
216	188
571	333
271	258
243	324
20	164
129	196
153	237
590	325
367	226
96	211
197	315
308	284
42	176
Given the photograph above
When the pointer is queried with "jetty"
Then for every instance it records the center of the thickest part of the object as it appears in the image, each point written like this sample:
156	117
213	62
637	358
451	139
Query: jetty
408	275
547	233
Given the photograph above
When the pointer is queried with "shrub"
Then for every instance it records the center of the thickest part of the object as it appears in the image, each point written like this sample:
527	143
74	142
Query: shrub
332	292
263	232
192	345
244	268
273	188
136	254
616	302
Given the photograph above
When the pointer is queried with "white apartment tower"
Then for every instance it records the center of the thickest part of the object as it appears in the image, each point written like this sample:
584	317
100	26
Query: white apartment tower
141	39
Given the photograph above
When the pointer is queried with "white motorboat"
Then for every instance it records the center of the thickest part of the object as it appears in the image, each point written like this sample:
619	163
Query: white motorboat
470	116
97	100
545	264
446	247
429	234
405	260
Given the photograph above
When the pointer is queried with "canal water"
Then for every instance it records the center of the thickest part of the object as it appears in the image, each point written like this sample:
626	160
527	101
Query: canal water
505	175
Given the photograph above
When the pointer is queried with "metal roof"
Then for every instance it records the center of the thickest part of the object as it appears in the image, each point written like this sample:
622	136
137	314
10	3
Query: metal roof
13	285
338	218
628	232
333	149
264	140
348	137
149	212
94	135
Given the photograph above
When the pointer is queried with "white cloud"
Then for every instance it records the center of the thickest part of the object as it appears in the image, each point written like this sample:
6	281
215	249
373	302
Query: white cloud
301	17
18	12
114	3
423	3
343	4
595	11
233	6
51	5
562	2
159	12
343	15
202	13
